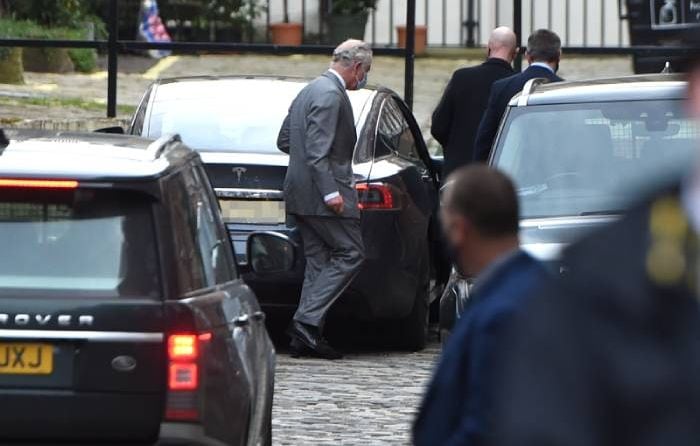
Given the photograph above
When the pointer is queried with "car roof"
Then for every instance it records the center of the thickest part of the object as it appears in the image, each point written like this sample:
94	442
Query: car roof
88	156
628	88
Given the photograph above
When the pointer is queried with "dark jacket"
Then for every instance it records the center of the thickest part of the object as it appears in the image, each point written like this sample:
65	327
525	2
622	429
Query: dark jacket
457	116
457	407
319	135
612	355
502	92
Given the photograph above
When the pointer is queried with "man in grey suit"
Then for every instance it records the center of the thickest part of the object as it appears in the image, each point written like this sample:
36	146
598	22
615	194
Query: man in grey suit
319	135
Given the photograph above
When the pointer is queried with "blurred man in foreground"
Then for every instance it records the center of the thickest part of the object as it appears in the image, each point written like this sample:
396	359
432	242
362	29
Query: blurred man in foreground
480	215
543	54
611	354
457	116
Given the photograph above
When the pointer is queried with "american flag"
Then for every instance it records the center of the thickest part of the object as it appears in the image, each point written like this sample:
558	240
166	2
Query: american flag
151	27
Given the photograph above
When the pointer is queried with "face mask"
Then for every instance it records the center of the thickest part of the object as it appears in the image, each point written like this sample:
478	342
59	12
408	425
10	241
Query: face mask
362	83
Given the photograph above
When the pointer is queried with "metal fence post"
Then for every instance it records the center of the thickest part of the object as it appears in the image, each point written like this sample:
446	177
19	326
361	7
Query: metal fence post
518	28
410	52
112	60
471	24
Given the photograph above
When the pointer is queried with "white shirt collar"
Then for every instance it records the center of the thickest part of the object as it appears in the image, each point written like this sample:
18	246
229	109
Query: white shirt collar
542	64
340	78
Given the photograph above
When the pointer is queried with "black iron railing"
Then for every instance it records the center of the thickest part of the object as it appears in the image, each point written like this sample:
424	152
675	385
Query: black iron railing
113	46
471	16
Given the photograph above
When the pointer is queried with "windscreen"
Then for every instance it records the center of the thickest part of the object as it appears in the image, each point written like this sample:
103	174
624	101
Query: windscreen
230	115
592	159
72	243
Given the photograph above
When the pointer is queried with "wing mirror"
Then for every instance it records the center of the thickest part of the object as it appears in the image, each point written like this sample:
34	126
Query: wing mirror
271	253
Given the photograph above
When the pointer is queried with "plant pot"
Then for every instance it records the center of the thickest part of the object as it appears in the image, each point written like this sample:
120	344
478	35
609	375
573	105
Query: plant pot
11	68
290	34
47	60
421	38
343	27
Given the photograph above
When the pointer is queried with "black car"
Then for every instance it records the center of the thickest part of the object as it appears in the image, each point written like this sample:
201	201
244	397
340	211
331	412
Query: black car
580	154
122	315
234	122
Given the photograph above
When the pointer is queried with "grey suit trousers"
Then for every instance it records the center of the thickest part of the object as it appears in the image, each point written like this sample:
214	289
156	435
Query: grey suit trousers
334	254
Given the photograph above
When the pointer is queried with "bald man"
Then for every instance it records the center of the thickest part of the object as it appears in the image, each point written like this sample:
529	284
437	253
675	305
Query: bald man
456	119
319	191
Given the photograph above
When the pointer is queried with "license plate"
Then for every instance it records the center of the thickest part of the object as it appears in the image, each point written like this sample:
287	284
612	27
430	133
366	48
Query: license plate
253	211
26	359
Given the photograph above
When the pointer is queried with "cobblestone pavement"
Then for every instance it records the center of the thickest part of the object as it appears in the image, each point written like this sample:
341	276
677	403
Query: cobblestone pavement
431	77
363	399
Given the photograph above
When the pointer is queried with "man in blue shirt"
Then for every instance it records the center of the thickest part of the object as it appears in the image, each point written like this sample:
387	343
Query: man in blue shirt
480	216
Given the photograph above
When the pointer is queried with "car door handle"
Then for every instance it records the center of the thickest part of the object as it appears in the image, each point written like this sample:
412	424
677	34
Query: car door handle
241	321
259	316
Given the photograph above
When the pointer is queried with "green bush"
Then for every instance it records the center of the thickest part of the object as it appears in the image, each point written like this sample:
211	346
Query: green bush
352	7
51	13
84	59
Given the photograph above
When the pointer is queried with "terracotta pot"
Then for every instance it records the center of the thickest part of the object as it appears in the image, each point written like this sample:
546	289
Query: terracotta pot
421	38
287	33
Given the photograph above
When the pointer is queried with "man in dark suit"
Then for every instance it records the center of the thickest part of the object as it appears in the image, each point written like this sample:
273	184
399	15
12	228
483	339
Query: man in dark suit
611	354
319	191
543	54
480	214
457	116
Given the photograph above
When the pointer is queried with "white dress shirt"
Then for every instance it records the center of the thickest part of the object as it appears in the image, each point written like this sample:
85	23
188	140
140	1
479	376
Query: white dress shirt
543	65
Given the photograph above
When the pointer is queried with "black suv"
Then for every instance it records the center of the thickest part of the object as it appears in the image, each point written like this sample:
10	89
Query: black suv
122	317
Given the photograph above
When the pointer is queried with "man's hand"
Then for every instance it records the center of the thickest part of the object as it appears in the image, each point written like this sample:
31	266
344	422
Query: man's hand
336	204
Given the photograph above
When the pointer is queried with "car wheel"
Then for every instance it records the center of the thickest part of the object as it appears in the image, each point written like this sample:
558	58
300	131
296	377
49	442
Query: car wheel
414	328
266	434
267	441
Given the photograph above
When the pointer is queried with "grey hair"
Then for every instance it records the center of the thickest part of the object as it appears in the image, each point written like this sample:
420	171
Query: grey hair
348	54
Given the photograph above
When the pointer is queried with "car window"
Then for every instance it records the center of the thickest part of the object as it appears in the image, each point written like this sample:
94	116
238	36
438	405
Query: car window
211	236
231	115
82	242
183	221
586	159
394	134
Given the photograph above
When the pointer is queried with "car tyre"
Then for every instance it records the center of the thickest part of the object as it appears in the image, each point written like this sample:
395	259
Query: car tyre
415	327
267	426
267	441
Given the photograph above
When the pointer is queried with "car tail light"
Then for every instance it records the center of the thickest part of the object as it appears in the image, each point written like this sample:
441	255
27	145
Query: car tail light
184	355
375	196
182	347
183	376
38	184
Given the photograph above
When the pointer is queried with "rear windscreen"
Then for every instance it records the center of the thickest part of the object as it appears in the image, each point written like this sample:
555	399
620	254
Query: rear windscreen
80	242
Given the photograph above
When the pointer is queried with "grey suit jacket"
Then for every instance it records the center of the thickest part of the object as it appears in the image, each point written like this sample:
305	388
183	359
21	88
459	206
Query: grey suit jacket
319	136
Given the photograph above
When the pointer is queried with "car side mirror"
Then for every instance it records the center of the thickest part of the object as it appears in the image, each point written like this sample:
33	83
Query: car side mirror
117	130
271	252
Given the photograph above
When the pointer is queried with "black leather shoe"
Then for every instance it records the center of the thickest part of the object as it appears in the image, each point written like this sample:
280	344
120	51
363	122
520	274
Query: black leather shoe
309	337
297	349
